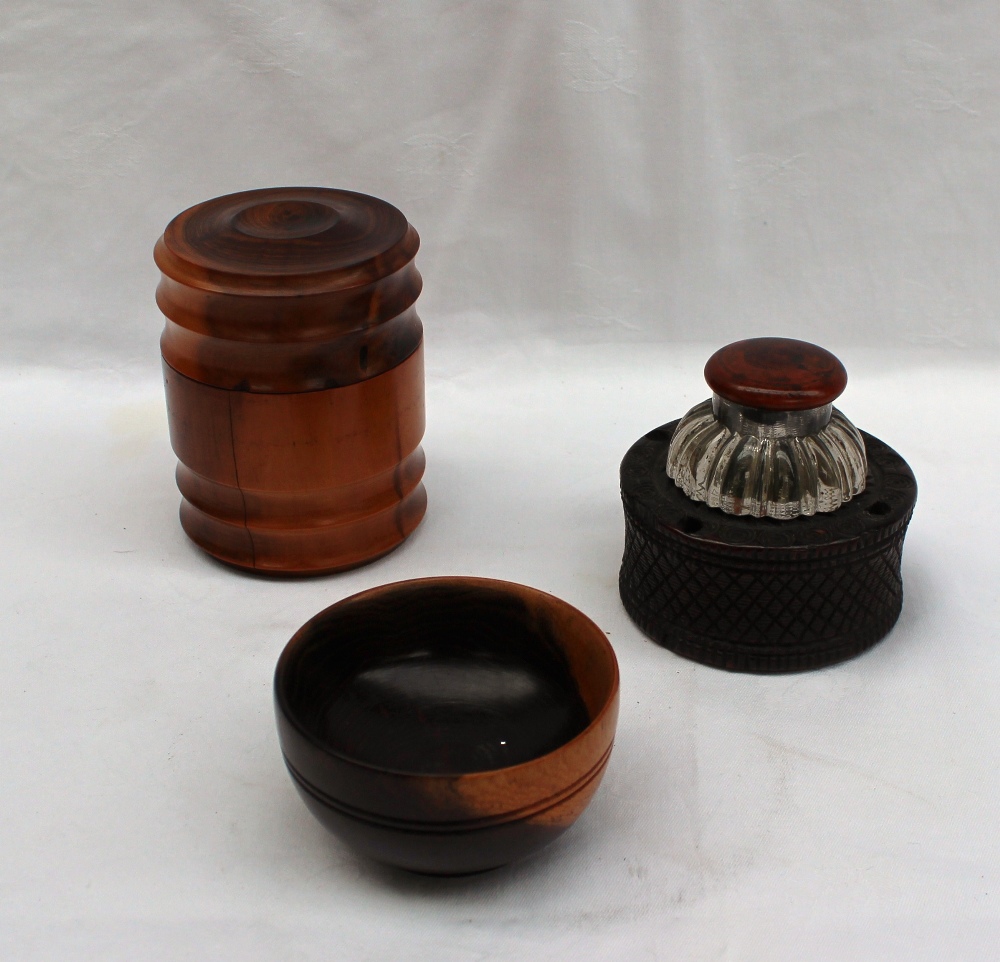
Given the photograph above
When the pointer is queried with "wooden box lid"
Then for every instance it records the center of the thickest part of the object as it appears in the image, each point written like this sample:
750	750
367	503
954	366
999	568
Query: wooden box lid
288	289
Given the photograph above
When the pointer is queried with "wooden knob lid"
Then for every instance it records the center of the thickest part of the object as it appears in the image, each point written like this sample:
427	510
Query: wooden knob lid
299	239
776	374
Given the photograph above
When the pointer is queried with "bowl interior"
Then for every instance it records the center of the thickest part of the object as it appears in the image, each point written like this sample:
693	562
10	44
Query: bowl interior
445	676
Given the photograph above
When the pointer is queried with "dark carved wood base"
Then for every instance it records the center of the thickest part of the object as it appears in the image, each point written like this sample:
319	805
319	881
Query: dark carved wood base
759	595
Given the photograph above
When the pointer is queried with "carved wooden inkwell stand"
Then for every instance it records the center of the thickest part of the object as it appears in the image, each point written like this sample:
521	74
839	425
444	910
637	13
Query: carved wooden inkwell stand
763	531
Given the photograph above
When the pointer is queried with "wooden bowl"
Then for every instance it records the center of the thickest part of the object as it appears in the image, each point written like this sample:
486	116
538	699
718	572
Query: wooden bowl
447	725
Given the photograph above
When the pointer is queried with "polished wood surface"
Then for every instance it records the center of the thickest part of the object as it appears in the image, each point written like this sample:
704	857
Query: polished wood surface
776	374
447	725
286	239
294	376
311	482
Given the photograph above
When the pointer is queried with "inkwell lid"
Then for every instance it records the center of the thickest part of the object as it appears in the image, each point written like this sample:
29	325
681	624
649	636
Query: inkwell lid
769	442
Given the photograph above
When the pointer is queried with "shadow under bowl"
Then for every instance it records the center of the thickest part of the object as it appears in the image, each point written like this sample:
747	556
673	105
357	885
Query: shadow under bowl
447	725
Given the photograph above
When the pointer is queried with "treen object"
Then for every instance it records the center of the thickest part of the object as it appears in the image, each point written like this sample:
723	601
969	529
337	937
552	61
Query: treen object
293	366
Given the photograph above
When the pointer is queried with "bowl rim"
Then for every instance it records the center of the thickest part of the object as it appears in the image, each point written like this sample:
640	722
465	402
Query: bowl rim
547	598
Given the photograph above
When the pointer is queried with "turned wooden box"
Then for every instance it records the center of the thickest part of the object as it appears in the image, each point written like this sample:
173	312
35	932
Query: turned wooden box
293	365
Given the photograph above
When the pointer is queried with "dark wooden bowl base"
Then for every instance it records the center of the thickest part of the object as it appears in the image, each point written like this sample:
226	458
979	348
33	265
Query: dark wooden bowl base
759	595
429	849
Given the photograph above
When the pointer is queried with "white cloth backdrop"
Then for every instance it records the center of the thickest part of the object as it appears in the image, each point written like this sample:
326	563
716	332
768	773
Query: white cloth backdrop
606	192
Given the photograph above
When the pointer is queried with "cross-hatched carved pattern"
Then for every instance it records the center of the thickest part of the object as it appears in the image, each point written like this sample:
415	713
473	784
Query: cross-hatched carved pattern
763	610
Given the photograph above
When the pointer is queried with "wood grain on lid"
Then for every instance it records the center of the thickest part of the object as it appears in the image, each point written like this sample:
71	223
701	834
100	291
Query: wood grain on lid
776	374
261	241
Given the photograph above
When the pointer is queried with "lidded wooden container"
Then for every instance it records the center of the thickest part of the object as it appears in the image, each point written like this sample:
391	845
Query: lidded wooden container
293	365
764	531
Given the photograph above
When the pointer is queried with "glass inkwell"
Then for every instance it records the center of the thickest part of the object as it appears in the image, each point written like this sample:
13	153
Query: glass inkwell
763	530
